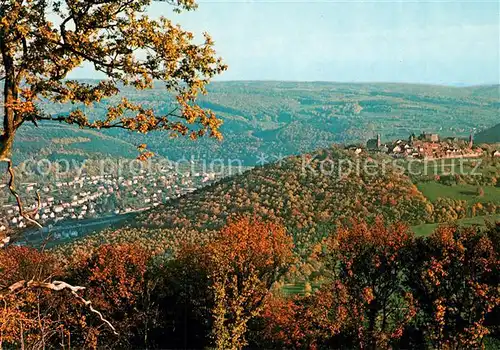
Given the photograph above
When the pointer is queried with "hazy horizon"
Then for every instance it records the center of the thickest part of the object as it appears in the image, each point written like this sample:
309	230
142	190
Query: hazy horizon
451	43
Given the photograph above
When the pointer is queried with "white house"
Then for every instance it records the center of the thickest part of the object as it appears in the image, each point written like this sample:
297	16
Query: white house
396	149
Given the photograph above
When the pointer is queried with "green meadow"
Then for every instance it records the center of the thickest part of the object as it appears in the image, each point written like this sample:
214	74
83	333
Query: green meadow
434	190
427	229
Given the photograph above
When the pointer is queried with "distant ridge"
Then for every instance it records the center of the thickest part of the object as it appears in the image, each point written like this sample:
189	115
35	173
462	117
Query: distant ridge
278	119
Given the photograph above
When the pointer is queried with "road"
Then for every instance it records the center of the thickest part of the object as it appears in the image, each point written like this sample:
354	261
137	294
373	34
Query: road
36	237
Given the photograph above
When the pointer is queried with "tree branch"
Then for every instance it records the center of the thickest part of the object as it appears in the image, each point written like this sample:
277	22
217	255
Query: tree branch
117	125
12	189
58	286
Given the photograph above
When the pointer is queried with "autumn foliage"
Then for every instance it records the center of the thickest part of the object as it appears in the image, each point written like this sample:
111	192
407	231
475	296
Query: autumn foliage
42	42
20	319
38	317
378	287
387	289
37	54
115	281
368	266
456	282
240	264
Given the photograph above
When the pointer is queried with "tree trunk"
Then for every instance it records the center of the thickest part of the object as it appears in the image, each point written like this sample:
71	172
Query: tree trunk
10	95
372	319
6	142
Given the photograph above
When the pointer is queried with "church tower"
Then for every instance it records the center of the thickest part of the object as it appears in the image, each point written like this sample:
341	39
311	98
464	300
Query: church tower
471	140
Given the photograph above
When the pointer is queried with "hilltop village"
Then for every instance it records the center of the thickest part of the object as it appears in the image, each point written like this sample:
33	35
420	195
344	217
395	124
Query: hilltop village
92	197
427	146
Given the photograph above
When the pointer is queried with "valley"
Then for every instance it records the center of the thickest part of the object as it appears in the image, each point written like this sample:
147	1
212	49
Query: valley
264	123
278	119
233	175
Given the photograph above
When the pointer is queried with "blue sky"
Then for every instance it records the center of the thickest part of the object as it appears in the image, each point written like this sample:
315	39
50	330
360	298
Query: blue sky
437	42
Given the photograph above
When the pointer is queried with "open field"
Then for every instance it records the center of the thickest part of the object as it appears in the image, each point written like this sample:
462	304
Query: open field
427	229
298	288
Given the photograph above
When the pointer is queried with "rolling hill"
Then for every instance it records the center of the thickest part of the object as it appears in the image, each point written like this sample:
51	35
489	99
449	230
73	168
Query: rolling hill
298	192
59	141
286	118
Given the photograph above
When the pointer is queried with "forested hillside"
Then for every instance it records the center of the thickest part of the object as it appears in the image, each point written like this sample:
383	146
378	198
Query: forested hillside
351	250
314	193
491	135
302	193
57	141
159	205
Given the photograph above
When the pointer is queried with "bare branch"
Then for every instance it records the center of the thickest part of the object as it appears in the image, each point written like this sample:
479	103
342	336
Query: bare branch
12	189
58	286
